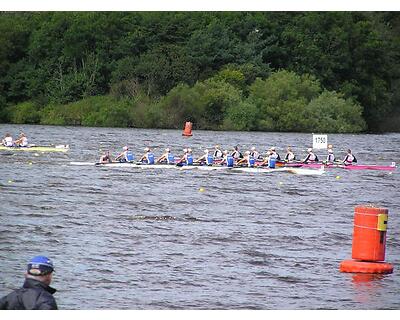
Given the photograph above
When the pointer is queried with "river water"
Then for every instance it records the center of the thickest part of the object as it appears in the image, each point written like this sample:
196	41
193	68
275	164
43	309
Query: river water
126	238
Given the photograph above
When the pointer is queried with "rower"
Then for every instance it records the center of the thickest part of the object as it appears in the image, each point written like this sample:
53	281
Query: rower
166	157
206	158
187	158
217	152
311	157
331	157
22	141
148	157
8	140
269	160
349	159
289	155
274	154
236	154
248	159
227	159
105	158
125	156
254	153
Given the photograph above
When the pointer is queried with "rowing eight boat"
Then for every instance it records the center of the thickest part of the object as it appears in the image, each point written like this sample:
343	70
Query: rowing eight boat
58	148
300	171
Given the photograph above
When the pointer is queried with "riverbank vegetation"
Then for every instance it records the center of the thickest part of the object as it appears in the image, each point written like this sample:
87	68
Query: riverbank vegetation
269	71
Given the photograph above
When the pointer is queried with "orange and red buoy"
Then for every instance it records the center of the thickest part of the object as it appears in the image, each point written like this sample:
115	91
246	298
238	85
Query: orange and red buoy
369	242
187	131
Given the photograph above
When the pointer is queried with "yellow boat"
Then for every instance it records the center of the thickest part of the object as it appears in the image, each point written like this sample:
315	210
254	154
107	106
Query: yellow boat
58	148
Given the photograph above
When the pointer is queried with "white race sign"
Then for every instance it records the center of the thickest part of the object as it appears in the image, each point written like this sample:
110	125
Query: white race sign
320	141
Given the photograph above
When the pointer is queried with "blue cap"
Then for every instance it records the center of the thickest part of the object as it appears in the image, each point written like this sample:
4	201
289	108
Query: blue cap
40	266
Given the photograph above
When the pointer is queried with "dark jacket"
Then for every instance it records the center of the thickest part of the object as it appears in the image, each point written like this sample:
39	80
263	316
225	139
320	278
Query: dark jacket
34	295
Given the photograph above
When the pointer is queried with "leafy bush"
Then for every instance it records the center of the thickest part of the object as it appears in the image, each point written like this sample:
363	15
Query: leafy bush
241	117
26	112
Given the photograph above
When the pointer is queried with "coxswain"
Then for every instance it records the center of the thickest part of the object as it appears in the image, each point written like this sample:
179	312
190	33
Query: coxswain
105	158
22	141
289	155
8	140
236	154
331	157
274	154
349	159
311	157
147	157
166	157
206	158
227	159
254	153
125	156
248	160
217	153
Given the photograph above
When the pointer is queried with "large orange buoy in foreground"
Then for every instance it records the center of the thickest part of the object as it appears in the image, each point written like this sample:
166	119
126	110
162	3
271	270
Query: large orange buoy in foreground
187	131
369	242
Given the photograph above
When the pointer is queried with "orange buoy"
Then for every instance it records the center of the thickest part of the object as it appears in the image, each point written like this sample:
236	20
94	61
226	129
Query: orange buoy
369	242
369	235
365	267
187	131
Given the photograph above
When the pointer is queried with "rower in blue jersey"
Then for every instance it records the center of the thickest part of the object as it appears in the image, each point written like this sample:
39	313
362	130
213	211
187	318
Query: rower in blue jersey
125	156
147	157
330	157
187	158
311	157
166	157
350	158
227	159
269	161
206	158
248	160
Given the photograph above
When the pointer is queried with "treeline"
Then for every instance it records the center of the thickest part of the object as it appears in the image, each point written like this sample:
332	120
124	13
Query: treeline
328	71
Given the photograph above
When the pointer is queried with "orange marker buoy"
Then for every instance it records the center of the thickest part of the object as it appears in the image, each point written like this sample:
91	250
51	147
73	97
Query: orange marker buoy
369	242
187	131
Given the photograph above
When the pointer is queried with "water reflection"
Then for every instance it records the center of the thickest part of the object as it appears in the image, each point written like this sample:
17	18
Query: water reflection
367	286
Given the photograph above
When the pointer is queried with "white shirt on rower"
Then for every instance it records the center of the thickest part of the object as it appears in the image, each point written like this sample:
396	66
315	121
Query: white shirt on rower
8	141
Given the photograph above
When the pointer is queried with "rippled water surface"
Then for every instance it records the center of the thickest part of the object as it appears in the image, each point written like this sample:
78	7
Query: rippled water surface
126	238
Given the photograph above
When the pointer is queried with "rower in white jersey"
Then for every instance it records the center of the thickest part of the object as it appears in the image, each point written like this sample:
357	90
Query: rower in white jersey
330	157
236	154
289	155
166	157
254	153
8	140
22	140
206	158
350	158
217	153
311	156
274	154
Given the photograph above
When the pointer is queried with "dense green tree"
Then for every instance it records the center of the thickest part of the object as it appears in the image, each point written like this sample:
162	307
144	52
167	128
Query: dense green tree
50	60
